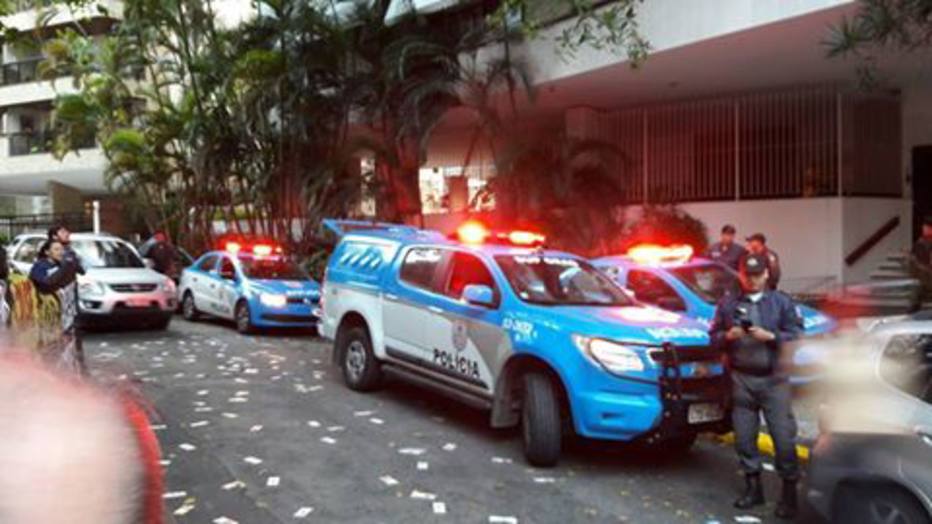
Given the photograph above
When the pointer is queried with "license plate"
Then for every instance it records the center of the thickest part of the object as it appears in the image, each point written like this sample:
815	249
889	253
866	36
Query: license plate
138	302
702	413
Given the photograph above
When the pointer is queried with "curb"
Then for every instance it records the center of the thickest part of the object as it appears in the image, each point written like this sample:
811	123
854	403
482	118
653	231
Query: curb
765	444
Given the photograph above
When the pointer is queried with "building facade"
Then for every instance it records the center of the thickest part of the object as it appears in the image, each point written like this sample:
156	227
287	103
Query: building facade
739	116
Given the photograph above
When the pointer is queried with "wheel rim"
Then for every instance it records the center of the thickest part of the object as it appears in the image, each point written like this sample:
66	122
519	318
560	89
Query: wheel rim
355	361
242	318
188	306
884	513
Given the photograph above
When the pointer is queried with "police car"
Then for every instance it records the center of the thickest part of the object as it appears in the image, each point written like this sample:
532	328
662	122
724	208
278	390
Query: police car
669	277
539	338
254	285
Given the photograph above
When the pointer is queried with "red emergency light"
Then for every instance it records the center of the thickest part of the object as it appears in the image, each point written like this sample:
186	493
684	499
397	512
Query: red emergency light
475	233
233	247
654	255
259	250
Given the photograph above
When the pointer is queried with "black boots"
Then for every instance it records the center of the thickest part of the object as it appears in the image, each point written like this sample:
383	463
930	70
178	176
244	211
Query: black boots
786	508
753	492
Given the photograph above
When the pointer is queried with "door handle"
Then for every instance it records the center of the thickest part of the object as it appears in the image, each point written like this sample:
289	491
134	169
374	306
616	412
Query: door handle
434	309
925	433
390	296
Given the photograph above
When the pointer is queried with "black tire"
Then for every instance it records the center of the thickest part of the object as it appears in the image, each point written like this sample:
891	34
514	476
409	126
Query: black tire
873	504
243	318
188	308
540	421
361	370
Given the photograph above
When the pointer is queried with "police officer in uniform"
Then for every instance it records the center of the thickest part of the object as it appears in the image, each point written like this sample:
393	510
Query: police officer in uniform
726	251
757	245
751	329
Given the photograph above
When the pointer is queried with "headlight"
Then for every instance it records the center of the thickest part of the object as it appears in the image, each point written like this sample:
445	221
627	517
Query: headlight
614	357
271	300
168	285
91	288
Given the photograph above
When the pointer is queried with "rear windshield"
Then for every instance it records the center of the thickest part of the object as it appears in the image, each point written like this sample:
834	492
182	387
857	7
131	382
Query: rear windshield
559	281
272	269
106	254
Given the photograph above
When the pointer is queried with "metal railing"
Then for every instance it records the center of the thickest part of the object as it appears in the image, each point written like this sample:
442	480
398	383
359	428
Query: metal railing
37	143
12	225
20	72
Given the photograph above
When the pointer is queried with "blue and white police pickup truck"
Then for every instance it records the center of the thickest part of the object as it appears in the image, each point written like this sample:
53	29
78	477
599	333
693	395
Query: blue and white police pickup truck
538	337
254	285
670	278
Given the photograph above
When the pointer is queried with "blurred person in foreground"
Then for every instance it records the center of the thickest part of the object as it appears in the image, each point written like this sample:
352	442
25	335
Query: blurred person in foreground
63	235
50	309
71	452
751	328
920	264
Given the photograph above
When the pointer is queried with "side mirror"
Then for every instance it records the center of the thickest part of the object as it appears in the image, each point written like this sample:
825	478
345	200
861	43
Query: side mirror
228	274
479	295
671	304
149	263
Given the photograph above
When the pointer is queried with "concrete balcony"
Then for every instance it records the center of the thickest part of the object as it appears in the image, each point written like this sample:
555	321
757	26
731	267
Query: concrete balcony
29	18
26	167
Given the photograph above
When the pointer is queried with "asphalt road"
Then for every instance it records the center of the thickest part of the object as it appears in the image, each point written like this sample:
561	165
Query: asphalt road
261	430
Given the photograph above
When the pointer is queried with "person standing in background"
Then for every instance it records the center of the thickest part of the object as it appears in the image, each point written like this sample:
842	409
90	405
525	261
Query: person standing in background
757	245
54	277
726	251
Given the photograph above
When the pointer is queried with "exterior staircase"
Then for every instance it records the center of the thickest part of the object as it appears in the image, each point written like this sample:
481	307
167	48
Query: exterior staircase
890	290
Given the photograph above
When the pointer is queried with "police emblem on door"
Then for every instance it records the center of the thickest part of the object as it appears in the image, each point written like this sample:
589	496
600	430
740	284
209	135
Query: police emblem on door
460	336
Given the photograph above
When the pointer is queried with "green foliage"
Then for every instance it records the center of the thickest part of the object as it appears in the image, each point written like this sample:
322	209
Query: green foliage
878	25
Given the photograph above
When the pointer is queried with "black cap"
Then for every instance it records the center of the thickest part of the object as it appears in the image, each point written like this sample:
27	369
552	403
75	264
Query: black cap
55	229
754	265
728	229
758	237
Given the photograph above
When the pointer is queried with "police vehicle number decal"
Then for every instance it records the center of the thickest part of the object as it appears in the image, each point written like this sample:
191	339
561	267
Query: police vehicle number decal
665	333
522	330
457	363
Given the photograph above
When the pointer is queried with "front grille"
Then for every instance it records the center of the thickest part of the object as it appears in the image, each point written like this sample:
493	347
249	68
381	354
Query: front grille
301	300
133	288
685	354
280	317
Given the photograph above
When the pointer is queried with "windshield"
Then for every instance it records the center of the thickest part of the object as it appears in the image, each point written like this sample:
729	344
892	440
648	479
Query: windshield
559	281
272	269
106	254
709	281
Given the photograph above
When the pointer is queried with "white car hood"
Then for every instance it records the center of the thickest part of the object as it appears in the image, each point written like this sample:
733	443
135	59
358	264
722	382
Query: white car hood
126	275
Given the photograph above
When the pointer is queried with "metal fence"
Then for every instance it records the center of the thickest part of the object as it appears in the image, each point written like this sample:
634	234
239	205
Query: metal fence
12	225
805	142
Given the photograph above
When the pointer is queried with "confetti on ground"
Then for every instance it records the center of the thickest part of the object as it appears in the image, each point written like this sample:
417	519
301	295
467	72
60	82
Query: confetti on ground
496	519
422	466
230	415
198	424
204	409
202	392
242	393
236	484
157	427
255	429
440	508
313	423
768	466
185	507
747	519
411	451
187	447
273	482
544	480
303	512
449	446
238	400
388	481
328	440
165	463
334	429
422	495
253	460
363	414
224	520
174	495
377	421
501	460
315	388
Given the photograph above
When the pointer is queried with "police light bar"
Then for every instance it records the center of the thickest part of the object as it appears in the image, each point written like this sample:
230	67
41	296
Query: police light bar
654	255
259	250
475	233
233	247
